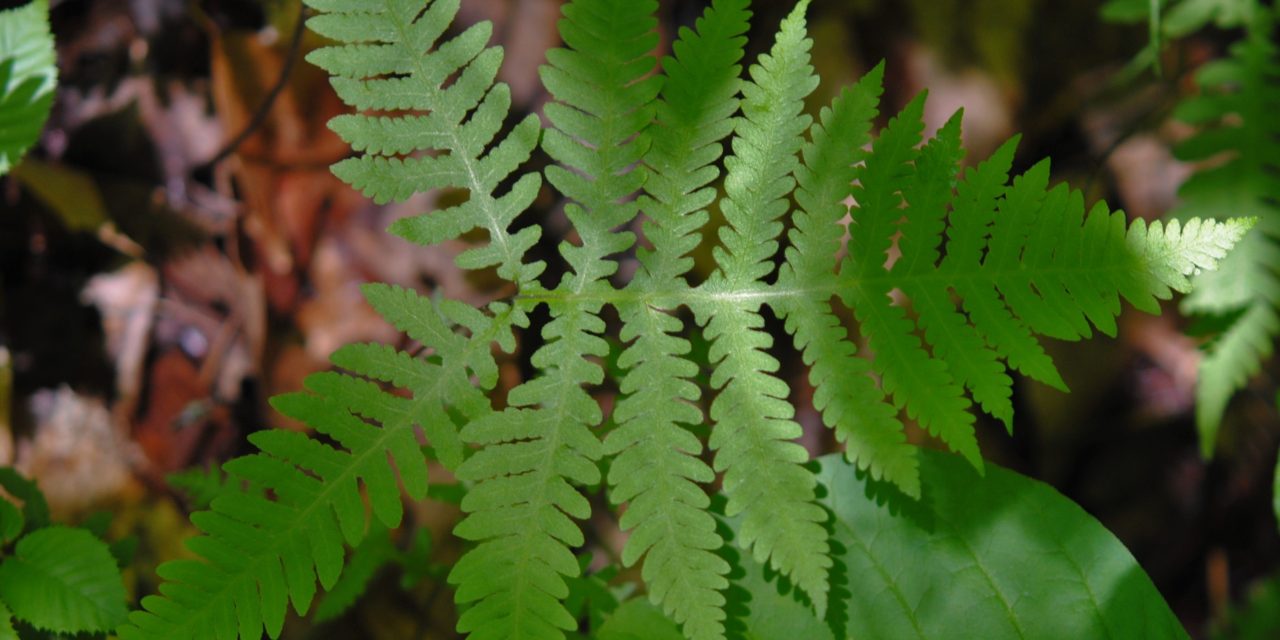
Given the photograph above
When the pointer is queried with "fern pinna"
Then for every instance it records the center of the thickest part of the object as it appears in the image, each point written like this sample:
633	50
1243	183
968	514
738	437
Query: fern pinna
985	267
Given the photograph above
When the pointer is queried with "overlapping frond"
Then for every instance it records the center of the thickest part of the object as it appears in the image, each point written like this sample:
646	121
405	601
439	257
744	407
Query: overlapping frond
1237	115
753	429
850	401
984	268
421	128
657	469
520	510
907	371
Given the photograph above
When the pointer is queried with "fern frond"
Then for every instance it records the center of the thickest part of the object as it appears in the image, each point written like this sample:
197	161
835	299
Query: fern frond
657	469
520	510
753	430
431	323
389	62
259	554
954	341
1236	112
984	267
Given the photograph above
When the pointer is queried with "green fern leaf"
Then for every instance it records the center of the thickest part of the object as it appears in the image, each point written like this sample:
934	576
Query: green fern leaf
1237	114
28	75
390	62
973	212
260	554
984	268
657	469
362	565
753	428
63	580
458	358
520	510
200	485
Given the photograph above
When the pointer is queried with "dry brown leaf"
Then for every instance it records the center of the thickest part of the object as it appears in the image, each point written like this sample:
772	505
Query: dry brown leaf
126	299
181	424
338	314
76	455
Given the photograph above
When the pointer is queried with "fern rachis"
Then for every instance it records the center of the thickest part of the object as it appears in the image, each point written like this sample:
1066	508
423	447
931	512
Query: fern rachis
632	145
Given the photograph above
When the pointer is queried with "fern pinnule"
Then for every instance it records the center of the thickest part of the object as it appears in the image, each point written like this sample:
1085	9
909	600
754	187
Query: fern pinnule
432	323
953	339
656	470
753	430
388	61
915	380
1022	259
969	226
844	391
519	511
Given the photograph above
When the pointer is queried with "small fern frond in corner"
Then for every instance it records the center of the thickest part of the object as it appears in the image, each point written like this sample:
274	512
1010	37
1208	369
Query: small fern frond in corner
753	433
521	508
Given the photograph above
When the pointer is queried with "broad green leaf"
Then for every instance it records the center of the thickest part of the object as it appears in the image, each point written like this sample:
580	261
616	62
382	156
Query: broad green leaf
637	619
63	580
994	556
6	624
71	194
28	76
11	521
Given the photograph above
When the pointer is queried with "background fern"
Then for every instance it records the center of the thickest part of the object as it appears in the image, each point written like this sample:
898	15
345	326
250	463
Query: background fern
1237	113
1021	260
